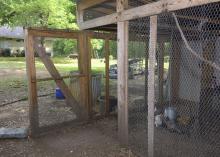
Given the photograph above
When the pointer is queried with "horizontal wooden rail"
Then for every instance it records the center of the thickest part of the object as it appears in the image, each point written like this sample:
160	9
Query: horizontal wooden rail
62	77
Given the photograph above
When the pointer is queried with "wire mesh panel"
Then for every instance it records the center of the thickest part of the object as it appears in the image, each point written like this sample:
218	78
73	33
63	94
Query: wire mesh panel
97	78
187	83
113	73
187	117
137	81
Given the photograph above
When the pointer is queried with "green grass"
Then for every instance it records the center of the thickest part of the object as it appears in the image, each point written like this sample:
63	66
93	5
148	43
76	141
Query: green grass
63	64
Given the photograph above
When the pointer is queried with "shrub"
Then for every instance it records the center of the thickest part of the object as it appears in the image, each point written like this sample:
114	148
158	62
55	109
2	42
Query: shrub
6	53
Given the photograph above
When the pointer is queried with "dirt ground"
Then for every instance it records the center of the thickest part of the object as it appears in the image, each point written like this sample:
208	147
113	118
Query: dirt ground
97	139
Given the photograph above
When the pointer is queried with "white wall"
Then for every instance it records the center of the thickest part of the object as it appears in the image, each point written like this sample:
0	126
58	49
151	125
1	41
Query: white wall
12	44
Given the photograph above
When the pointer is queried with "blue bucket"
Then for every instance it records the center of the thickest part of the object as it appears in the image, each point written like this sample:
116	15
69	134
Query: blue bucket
59	94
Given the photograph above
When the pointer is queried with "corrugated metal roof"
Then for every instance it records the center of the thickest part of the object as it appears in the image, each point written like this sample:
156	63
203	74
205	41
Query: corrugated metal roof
15	32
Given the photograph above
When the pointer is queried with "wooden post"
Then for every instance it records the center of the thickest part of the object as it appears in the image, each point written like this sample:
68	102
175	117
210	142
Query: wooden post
32	85
151	83
85	69
107	76
122	75
146	72
175	71
161	71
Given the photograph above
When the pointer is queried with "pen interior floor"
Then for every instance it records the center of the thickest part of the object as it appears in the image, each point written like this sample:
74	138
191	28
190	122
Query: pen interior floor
97	139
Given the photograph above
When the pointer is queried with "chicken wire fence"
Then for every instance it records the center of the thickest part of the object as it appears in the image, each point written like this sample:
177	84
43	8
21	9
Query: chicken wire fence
187	83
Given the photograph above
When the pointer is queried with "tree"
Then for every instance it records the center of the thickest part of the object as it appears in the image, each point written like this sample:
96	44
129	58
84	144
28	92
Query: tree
60	14
64	47
97	46
38	13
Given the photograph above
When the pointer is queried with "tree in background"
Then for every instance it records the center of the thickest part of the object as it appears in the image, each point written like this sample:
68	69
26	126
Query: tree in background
38	13
64	47
97	48
60	14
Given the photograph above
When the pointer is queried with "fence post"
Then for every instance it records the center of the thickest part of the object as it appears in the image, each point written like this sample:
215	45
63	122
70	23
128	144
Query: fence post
151	90
85	69
32	84
122	52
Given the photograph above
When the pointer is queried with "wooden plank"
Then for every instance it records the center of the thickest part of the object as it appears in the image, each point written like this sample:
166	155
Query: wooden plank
84	4
150	9
161	71
78	110
32	86
107	77
62	77
151	83
101	35
122	88
85	69
54	33
70	34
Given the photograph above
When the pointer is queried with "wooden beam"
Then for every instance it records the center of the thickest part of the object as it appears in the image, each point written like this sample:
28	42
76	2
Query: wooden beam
54	33
122	64
150	9
104	10
151	84
107	77
79	110
62	77
84	4
32	86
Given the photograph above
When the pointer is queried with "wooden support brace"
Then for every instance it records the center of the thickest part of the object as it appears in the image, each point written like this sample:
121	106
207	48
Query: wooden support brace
151	83
79	110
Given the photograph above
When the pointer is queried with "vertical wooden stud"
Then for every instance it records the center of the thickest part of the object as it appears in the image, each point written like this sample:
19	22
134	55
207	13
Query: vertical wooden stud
161	71
32	85
85	69
175	71
122	53
151	82
107	77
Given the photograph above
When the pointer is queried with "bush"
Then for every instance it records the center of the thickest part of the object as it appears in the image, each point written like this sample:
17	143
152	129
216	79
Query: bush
6	53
